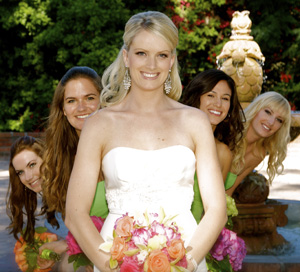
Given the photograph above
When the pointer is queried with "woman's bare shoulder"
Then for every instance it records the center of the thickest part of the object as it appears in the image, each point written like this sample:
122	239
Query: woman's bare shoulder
224	152
191	113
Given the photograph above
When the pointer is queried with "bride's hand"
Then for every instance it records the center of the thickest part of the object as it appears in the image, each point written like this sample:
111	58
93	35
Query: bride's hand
104	267
191	263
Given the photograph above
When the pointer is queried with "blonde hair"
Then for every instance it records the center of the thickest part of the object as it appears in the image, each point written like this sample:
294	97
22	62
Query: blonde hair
276	145
154	22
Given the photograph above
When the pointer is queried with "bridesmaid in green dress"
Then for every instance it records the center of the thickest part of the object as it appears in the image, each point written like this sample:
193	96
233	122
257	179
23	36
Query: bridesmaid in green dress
75	98
214	92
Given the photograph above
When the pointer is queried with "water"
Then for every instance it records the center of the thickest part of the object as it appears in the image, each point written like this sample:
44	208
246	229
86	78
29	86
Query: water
290	232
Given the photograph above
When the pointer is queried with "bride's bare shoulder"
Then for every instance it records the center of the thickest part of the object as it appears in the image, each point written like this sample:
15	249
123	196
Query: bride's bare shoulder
191	113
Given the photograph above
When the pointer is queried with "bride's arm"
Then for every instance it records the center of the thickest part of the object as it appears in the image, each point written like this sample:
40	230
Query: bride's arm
81	191
211	188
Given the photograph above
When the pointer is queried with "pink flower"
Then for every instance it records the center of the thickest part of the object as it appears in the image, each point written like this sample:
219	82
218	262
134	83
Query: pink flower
237	254
172	233
130	265
229	244
73	247
147	244
98	222
140	236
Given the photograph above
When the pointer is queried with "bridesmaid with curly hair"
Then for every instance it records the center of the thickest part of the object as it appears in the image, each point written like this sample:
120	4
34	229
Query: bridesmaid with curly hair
266	132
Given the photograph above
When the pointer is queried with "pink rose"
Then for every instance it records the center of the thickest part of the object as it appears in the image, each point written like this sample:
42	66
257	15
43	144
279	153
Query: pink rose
130	265
73	247
98	222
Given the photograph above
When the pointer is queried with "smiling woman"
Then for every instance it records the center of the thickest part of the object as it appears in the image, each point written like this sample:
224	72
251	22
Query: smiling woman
81	98
214	92
24	184
75	98
27	166
266	132
146	145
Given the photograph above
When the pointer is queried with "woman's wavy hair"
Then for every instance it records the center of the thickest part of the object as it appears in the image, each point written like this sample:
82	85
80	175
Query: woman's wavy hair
230	130
21	201
153	22
276	145
61	143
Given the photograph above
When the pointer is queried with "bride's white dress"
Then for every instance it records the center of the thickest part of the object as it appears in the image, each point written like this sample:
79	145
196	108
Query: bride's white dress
139	180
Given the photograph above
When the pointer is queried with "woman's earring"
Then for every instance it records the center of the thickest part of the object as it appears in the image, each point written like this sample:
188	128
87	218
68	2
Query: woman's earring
127	80
168	83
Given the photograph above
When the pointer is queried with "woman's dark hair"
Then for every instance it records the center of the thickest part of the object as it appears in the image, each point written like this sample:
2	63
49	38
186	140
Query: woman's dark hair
20	200
230	130
61	143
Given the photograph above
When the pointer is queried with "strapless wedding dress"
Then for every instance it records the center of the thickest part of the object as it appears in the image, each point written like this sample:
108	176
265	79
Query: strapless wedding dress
139	180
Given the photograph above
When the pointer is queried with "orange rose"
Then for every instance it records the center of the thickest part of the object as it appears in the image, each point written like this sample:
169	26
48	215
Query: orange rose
124	226
37	236
176	249
48	237
158	262
23	266
19	246
20	257
118	248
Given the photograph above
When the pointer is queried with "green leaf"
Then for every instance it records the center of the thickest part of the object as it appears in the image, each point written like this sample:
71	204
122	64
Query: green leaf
40	230
113	263
131	252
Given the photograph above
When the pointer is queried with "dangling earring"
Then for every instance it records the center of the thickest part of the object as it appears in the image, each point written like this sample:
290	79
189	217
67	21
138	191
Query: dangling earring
227	118
127	80
168	83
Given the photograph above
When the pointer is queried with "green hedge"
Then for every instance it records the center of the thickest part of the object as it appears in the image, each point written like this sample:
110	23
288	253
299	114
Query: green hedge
44	38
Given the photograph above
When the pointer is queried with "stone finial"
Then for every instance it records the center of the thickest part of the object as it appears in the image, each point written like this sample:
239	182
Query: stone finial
241	58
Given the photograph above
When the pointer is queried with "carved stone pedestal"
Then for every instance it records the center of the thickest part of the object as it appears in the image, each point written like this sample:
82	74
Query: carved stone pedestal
258	217
257	225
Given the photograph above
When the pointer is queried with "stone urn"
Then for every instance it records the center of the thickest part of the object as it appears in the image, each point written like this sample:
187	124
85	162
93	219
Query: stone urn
242	59
258	217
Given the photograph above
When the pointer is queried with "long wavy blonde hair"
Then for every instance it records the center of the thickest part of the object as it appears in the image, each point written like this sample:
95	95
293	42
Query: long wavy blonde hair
276	145
154	22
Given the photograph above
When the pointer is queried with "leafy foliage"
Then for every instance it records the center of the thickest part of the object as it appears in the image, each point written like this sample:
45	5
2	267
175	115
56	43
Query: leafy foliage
44	38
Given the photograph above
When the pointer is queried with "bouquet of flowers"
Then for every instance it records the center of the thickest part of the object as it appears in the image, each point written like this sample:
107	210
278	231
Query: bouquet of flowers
229	247
26	255
150	242
229	250
76	255
231	211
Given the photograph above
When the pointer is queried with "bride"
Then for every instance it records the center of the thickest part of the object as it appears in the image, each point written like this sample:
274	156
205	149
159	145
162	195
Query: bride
146	146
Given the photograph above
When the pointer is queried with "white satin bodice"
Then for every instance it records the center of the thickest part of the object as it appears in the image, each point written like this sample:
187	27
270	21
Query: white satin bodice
138	180
151	178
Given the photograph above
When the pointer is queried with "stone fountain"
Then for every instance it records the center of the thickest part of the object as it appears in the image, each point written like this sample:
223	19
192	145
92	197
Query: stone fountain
241	58
258	219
